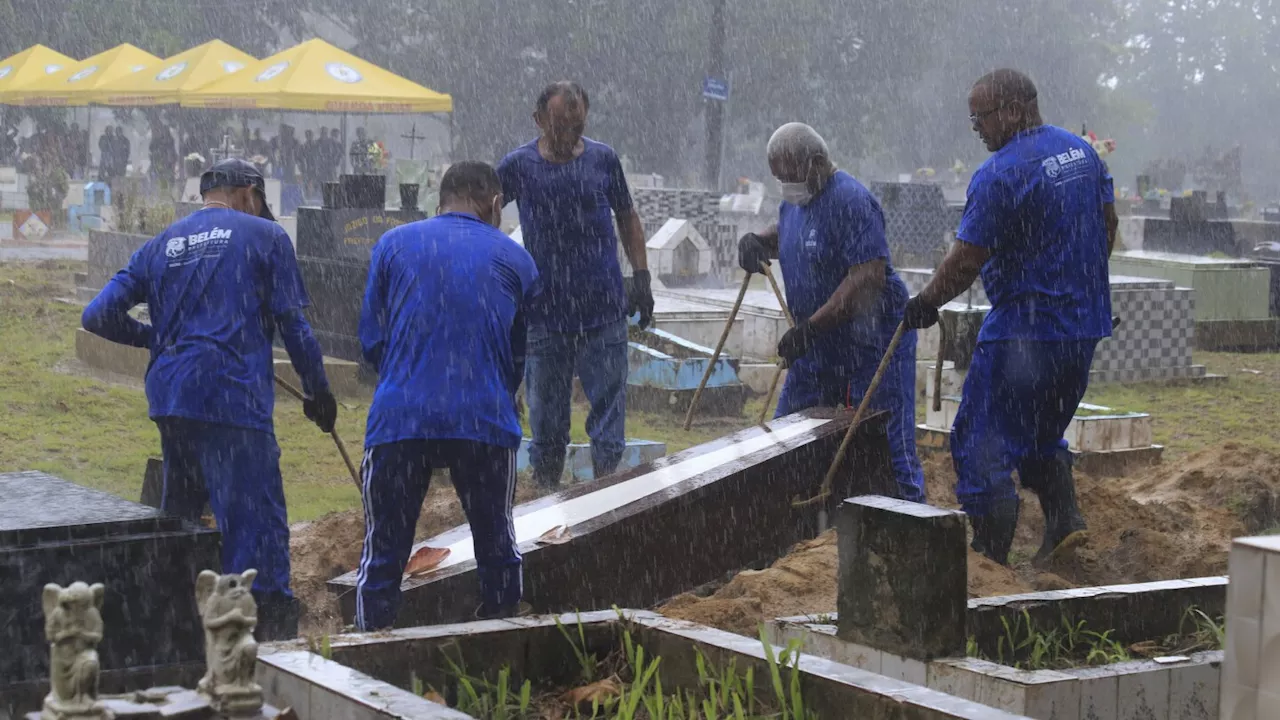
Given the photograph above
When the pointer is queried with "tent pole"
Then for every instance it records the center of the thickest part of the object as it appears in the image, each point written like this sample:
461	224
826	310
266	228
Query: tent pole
344	144
88	124
451	137
180	183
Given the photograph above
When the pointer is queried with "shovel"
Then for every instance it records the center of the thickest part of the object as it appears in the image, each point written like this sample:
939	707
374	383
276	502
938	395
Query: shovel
777	374
715	356
342	448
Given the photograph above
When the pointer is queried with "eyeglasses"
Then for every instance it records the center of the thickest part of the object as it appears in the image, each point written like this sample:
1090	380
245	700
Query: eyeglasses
976	118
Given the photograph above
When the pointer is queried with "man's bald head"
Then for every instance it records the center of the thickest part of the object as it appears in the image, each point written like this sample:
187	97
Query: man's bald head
798	154
1002	104
796	143
1008	85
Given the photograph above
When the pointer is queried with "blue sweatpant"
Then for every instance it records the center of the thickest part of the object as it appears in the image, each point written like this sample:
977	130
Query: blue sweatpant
599	357
237	471
396	478
809	385
1019	397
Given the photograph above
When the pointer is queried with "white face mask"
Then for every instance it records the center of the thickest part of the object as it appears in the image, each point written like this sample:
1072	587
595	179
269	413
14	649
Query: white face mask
796	193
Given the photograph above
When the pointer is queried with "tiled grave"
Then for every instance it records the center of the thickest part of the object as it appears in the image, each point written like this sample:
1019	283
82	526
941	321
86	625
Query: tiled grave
702	208
53	531
368	675
1168	688
1226	288
1232	296
1251	670
1153	341
691	505
917	222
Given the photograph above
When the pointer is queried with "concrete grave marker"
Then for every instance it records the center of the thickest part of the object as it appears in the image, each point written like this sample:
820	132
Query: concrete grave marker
903	577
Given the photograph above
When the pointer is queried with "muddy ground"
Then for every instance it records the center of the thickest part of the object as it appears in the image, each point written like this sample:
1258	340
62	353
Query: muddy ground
1169	521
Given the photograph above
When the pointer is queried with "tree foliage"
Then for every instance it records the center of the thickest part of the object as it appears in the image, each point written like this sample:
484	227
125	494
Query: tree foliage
884	80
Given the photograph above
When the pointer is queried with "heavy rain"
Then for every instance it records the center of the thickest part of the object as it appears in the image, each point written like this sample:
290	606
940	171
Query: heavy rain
644	359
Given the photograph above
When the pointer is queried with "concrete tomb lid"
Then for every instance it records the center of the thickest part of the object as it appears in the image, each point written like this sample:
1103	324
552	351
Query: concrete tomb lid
36	507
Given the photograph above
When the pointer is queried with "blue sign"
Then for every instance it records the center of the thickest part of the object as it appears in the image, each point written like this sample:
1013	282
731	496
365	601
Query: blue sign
715	89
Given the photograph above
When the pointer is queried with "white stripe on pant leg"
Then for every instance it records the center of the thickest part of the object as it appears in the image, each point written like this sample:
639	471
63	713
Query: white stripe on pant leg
366	476
510	498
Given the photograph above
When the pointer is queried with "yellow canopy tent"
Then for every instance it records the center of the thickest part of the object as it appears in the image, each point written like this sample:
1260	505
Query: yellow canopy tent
75	85
318	77
164	82
34	63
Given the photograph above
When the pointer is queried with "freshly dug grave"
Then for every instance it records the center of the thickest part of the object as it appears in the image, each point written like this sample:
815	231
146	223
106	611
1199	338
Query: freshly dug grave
1169	521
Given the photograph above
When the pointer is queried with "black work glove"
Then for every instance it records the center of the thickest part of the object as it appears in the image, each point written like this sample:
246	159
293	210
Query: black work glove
639	297
752	253
797	342
919	315
321	410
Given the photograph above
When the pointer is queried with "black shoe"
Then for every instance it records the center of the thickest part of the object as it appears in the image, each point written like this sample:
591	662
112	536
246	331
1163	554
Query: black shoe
520	609
277	619
993	532
1064	526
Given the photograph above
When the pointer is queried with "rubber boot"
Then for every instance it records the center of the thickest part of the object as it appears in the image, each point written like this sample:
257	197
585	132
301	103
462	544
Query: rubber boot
993	532
277	619
548	476
599	470
1064	526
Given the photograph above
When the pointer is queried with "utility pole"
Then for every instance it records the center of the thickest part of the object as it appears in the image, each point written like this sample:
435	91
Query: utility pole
715	107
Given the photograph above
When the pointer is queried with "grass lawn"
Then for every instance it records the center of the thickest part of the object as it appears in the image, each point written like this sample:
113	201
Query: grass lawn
99	435
1244	410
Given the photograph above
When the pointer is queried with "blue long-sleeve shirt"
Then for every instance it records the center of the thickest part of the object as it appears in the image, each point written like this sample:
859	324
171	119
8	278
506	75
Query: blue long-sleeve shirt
218	284
443	323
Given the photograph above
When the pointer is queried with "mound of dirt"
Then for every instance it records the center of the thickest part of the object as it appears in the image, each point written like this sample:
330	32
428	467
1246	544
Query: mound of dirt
1242	480
804	583
320	551
1170	521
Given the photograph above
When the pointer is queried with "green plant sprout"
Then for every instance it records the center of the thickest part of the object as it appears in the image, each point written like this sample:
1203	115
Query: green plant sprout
1025	646
722	693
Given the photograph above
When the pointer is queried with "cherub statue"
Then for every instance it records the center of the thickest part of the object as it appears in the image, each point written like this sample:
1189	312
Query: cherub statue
229	614
73	626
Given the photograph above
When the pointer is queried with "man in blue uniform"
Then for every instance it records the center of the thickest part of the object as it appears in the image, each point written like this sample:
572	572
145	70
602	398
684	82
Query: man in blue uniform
565	186
218	284
443	322
1039	226
843	292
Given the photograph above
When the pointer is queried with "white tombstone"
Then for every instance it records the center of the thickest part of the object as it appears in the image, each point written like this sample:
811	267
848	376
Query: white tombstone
678	252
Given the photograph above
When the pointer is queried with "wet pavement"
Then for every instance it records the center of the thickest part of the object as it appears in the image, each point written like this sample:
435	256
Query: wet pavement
62	246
